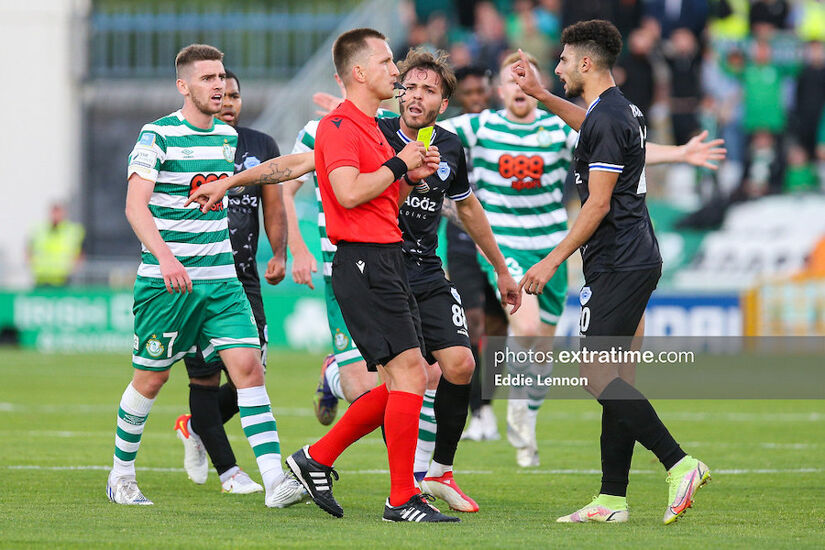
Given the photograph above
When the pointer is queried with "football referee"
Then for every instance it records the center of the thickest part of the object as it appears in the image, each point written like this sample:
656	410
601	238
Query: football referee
622	266
359	177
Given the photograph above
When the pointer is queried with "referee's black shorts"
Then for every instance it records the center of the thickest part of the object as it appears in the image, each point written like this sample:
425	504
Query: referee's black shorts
370	283
613	302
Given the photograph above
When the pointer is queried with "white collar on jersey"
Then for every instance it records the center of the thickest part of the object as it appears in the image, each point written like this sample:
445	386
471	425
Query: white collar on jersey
405	139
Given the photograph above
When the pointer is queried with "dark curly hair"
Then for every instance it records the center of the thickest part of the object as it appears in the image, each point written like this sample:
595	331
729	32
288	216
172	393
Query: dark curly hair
598	39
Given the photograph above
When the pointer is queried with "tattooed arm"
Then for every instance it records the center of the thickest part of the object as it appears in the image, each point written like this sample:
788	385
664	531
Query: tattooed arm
274	170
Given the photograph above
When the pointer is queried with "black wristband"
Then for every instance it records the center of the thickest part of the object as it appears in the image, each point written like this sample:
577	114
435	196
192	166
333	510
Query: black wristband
397	166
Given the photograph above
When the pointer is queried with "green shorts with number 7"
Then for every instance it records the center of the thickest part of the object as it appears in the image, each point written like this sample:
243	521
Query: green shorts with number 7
214	316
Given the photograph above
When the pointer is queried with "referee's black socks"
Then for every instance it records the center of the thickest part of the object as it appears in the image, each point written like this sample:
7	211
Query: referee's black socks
451	402
208	424
636	415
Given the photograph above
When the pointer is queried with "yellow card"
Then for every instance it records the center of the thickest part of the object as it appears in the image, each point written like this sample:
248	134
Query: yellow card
425	135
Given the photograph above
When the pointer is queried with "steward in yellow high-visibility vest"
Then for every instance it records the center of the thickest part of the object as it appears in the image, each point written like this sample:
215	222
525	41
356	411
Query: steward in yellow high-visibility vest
55	249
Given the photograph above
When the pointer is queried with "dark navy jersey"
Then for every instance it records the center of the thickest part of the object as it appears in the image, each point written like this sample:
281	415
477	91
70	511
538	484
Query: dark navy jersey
612	139
459	243
420	215
253	148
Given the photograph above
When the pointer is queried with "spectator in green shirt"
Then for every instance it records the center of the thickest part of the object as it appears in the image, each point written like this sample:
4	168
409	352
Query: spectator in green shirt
765	117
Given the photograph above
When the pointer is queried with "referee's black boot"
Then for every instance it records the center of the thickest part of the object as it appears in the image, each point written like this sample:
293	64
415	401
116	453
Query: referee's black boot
316	479
417	509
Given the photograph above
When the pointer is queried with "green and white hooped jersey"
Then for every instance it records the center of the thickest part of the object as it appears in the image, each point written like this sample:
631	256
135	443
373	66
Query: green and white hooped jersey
179	157
519	171
304	143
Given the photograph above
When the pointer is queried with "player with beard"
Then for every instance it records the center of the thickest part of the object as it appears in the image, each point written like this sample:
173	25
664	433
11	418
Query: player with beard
210	405
520	157
360	180
484	315
621	262
429	83
187	292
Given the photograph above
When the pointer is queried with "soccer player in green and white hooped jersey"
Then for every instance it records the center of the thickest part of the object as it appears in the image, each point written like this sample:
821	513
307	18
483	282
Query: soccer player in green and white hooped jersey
187	292
520	157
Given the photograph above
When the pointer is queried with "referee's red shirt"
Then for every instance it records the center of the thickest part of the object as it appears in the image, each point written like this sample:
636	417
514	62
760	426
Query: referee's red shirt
348	137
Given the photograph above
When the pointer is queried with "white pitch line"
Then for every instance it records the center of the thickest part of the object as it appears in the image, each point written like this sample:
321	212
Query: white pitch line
68	434
107	409
730	472
546	414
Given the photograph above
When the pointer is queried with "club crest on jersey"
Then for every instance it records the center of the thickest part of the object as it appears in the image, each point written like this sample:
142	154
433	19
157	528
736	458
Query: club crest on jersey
456	295
544	138
443	170
147	139
228	153
341	340
584	295
154	347
251	162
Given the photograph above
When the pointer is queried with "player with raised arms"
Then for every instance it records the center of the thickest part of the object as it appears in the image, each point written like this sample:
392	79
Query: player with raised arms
187	292
621	263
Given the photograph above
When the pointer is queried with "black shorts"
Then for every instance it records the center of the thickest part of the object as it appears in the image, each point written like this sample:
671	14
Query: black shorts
468	278
442	316
370	283
613	302
492	305
196	367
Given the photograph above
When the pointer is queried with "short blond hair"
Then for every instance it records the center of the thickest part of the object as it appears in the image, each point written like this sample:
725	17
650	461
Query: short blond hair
515	57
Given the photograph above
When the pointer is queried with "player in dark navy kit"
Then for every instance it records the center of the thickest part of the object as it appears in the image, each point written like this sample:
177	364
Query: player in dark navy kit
429	83
622	266
210	405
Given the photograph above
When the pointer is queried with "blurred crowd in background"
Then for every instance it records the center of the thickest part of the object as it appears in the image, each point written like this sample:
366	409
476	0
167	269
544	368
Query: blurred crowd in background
743	246
750	71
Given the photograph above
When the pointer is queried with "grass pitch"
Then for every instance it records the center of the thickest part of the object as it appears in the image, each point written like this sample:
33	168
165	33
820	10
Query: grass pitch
57	419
